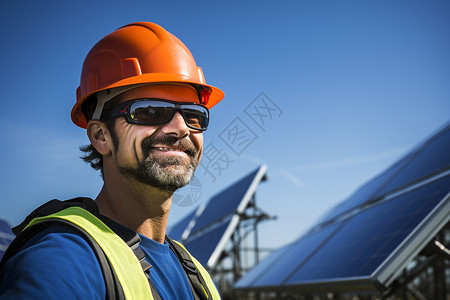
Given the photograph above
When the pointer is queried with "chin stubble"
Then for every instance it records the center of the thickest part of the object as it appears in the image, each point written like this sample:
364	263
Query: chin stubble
165	173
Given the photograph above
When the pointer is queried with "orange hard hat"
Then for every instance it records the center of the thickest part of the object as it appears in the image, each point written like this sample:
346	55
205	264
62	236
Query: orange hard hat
137	54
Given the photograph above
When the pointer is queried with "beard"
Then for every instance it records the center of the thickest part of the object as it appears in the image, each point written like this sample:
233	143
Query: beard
166	173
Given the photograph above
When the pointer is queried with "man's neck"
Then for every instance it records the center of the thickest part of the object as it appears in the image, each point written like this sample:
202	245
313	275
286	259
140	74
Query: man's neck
143	209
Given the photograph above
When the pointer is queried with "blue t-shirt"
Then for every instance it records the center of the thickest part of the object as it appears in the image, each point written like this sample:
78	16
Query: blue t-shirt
57	263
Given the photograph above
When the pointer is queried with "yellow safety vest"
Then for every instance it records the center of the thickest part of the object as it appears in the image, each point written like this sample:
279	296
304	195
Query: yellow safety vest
124	262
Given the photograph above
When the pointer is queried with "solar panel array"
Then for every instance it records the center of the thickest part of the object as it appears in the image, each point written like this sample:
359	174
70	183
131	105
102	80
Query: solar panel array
205	231
367	240
6	236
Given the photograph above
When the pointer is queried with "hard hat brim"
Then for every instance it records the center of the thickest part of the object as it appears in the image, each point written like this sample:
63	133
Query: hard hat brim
80	120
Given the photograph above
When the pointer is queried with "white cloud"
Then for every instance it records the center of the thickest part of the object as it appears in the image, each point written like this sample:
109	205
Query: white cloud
293	179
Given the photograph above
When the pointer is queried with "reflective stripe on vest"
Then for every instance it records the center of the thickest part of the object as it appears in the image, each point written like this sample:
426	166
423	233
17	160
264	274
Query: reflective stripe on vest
124	262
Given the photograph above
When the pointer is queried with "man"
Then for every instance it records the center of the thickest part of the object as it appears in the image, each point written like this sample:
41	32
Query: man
144	103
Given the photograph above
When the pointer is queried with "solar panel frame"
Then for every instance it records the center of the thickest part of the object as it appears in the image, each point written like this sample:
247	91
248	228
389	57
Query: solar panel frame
205	252
233	221
391	268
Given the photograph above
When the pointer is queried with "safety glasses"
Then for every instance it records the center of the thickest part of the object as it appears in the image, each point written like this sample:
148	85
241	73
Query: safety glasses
151	111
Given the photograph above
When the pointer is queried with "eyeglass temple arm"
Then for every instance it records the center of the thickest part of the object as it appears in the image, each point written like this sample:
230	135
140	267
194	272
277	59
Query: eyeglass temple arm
108	94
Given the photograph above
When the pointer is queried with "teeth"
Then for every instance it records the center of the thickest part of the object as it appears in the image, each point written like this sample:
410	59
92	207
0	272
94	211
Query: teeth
165	149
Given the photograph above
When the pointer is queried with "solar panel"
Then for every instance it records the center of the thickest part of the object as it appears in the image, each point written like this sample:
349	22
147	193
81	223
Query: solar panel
426	159
364	193
266	265
215	225
431	159
373	239
6	236
204	245
368	240
275	269
233	199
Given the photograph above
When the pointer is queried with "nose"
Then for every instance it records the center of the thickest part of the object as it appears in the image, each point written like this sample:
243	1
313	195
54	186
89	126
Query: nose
176	126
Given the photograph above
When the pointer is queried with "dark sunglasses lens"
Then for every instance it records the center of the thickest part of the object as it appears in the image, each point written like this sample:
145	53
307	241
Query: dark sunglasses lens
158	112
151	112
196	116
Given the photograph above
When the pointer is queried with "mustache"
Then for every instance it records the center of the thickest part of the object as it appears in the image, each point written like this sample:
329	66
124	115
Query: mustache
169	141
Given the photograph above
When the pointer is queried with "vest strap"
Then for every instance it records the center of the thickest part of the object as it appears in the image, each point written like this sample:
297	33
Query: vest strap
127	268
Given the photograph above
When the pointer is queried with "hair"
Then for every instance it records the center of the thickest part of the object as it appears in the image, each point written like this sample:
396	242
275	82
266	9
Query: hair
91	155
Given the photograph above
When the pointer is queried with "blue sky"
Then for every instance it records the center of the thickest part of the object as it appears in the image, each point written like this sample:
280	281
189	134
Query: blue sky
356	84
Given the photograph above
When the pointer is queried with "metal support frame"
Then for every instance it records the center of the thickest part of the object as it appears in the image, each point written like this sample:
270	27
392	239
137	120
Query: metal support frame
229	267
427	279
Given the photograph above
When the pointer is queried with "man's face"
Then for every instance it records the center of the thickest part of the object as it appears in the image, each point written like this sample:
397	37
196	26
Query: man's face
163	156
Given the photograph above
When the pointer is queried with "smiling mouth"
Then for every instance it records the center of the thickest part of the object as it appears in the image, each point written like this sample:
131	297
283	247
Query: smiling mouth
173	150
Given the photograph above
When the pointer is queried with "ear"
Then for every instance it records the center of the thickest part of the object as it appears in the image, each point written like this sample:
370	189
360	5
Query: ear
99	136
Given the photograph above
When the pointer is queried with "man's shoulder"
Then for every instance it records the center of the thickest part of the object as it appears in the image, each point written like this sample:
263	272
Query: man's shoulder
58	237
56	260
55	235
